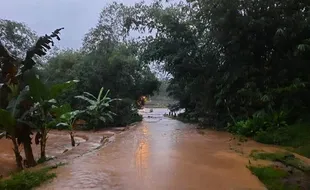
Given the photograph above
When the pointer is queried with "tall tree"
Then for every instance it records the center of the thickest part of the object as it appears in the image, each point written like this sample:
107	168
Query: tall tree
16	37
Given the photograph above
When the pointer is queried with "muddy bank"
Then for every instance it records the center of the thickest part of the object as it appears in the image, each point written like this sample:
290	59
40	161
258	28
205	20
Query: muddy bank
58	147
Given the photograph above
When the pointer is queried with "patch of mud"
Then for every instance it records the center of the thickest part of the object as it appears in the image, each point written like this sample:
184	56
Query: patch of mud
296	177
58	147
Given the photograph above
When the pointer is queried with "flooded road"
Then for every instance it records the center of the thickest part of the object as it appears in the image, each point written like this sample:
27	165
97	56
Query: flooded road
159	154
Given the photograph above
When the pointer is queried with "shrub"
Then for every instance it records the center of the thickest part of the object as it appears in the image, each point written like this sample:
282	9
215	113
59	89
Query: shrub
273	136
263	127
125	113
248	127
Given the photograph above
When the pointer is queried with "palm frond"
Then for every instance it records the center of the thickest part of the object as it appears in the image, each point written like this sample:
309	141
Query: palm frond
106	94
102	119
100	94
92	102
90	95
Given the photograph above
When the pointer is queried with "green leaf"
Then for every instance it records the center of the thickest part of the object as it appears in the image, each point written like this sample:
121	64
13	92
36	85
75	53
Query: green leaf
112	113
106	94
90	95
70	115
61	110
57	89
92	102
51	124
52	101
102	119
7	120
15	102
100	94
91	108
37	89
62	124
109	116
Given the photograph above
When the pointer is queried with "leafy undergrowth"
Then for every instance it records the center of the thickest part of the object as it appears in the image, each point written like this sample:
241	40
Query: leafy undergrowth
27	180
286	172
272	131
294	136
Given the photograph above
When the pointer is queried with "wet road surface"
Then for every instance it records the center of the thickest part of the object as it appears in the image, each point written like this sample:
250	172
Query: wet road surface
159	154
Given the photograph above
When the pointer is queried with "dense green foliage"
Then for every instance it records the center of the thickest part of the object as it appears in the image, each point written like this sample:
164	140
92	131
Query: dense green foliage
236	64
105	60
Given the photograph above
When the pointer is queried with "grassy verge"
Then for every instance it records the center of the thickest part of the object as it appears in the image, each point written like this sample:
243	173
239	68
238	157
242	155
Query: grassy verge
285	158
285	173
294	136
272	177
27	180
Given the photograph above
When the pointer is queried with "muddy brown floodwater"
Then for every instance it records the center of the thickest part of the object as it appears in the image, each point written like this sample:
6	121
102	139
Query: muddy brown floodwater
159	154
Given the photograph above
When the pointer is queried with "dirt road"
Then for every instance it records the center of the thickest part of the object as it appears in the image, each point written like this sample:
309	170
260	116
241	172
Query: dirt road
159	154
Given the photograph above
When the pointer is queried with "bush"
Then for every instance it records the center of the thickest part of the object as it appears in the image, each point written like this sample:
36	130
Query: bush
188	116
263	127
273	136
248	127
126	113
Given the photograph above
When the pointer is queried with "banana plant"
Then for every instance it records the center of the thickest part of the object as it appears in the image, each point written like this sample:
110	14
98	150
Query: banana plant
40	116
8	123
98	108
12	124
12	83
67	119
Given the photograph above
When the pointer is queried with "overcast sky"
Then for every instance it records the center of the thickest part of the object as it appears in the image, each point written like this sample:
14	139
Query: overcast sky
44	16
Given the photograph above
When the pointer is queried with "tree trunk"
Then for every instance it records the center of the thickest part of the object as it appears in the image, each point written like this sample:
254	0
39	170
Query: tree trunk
28	152
72	139
18	157
24	133
43	143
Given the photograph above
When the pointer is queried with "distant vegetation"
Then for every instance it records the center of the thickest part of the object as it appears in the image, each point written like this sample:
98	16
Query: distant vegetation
161	99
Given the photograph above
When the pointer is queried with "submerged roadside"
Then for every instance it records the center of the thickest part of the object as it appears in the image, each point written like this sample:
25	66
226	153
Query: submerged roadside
278	167
59	152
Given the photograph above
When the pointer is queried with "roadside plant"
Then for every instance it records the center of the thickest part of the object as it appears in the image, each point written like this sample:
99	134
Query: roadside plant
98	108
40	116
15	100
66	118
